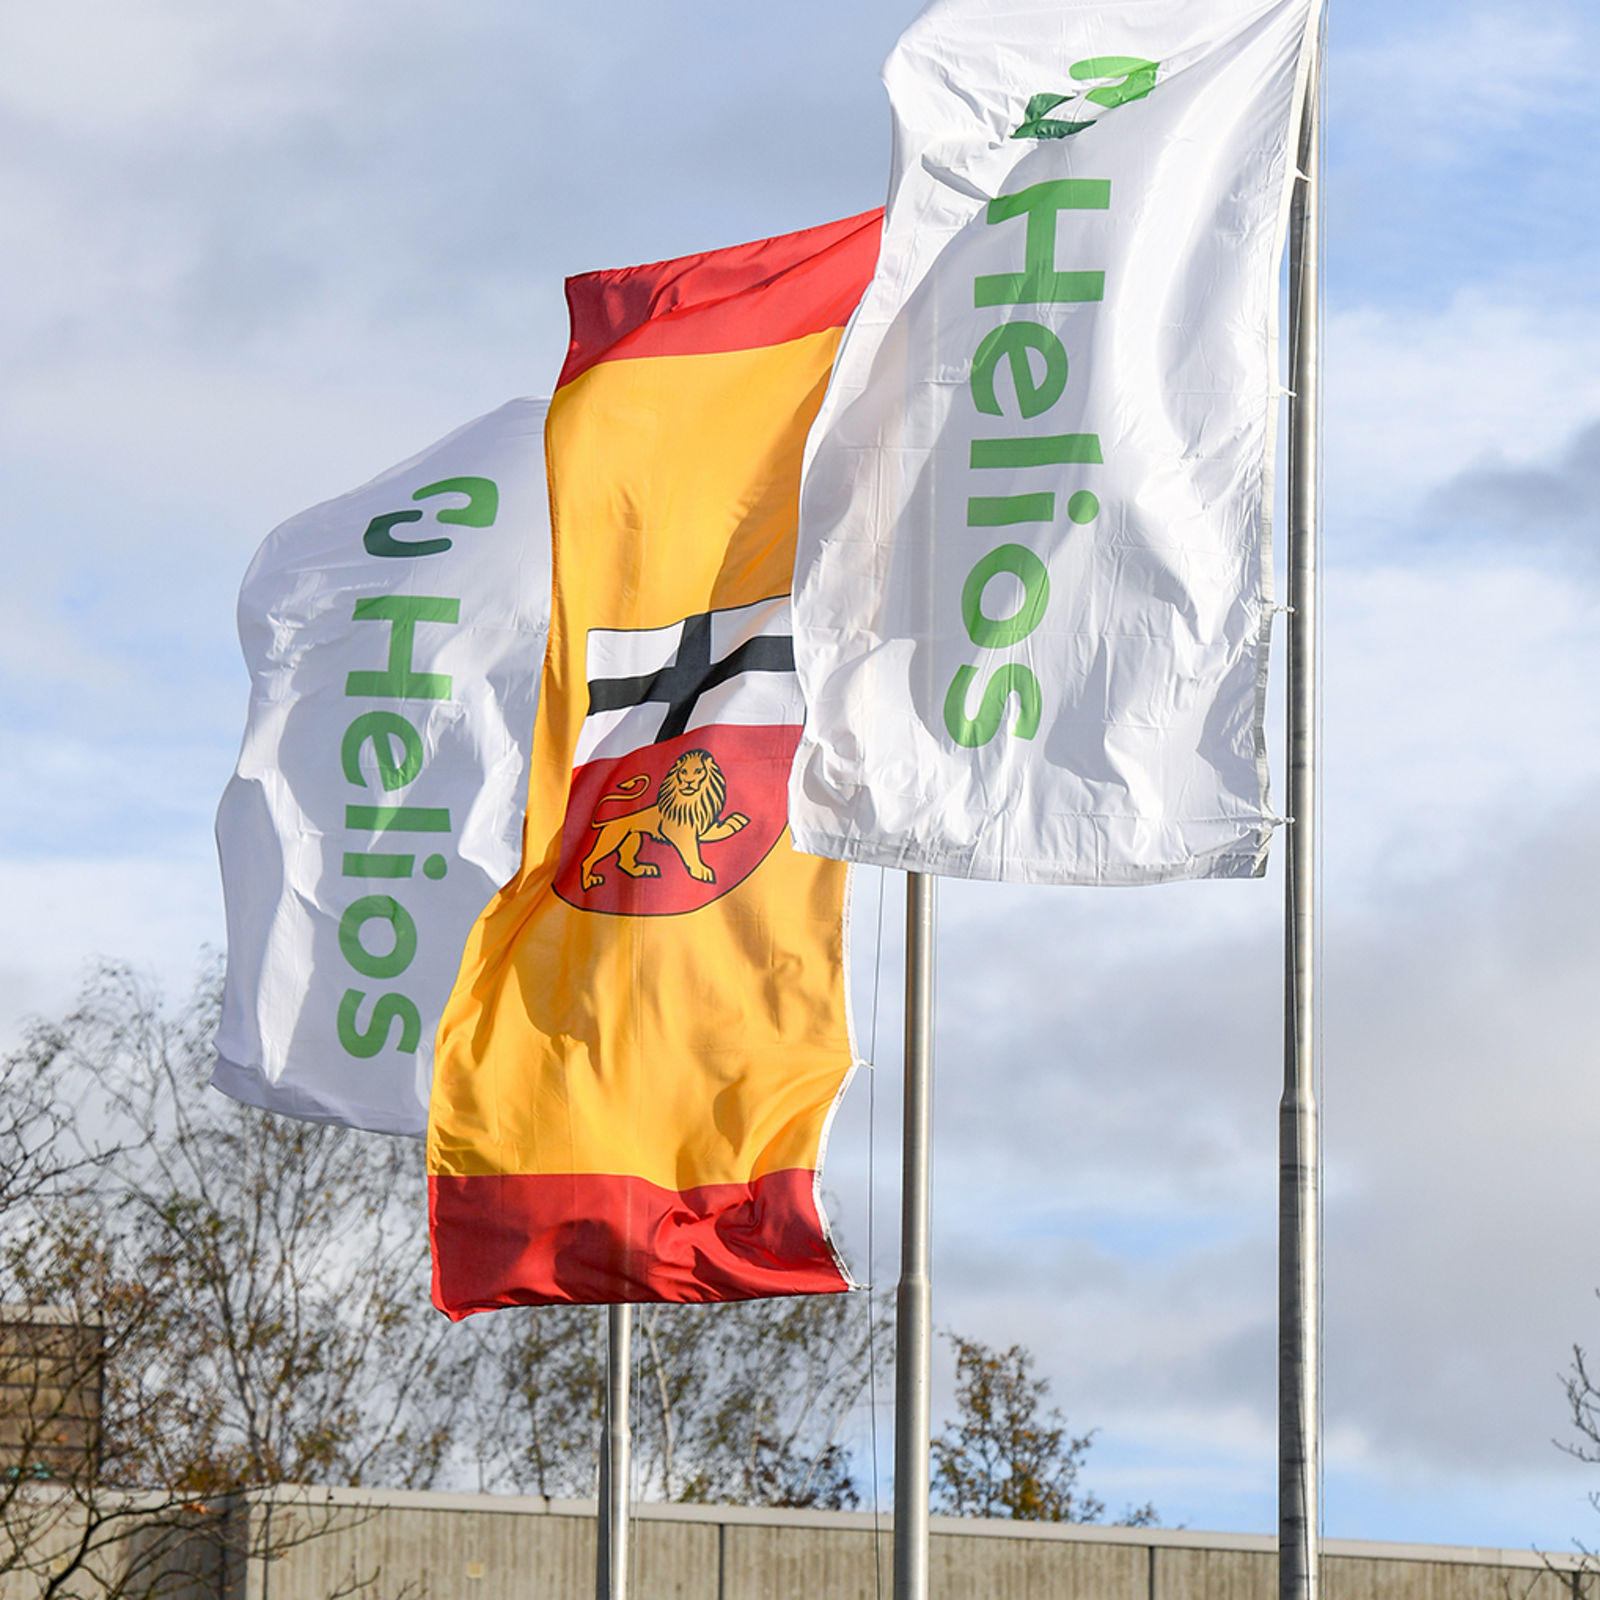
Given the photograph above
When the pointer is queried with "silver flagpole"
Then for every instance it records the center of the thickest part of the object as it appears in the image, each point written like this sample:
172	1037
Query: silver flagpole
1299	1162
913	1341
611	1555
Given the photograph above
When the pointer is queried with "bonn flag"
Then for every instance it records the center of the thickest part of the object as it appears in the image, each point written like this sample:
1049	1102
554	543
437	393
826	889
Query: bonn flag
395	638
1030	599
648	1035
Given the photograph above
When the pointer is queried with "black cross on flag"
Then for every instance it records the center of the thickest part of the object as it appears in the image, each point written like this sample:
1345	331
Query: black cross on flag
647	686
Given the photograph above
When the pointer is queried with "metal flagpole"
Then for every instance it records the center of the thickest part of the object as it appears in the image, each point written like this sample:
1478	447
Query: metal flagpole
913	1339
1299	1163
611	1556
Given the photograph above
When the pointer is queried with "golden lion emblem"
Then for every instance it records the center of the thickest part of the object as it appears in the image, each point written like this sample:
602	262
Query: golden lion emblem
687	814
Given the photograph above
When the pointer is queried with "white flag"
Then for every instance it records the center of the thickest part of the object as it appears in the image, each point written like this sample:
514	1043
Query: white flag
1031	599
395	638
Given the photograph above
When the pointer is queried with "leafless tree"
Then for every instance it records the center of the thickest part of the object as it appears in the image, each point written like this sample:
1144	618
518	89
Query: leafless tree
250	1291
1578	1576
536	1397
749	1403
1583	1406
746	1403
238	1302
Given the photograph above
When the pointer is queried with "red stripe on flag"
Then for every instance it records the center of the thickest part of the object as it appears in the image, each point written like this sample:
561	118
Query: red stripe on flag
720	300
517	1239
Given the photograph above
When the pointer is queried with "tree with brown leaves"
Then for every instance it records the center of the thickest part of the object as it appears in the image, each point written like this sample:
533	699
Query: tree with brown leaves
1005	1455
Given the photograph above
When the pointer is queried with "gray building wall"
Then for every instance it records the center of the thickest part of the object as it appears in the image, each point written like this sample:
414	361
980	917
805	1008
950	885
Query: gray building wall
470	1547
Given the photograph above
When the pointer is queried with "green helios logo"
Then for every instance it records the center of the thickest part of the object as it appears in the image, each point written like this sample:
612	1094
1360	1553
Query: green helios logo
1132	79
483	504
383	747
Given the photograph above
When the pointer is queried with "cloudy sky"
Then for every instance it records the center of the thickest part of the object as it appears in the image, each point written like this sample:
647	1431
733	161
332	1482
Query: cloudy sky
256	254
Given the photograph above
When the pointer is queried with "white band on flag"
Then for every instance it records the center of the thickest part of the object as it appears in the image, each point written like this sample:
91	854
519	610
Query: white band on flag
729	667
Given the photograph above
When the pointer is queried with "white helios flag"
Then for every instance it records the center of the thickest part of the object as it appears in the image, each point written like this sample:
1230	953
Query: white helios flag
1031	590
395	638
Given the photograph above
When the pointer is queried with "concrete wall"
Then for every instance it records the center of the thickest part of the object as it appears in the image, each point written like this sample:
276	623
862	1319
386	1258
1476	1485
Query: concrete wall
466	1547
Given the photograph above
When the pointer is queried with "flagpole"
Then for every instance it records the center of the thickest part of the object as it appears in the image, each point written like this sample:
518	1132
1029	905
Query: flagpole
611	1554
1299	1160
913	1367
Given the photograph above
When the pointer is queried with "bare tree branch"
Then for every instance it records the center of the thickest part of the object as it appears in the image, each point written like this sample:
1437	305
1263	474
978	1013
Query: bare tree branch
248	1297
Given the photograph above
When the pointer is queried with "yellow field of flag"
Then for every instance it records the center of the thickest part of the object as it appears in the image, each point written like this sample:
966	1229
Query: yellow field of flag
636	1070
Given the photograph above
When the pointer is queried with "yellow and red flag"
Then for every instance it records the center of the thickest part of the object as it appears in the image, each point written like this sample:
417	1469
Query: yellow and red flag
635	1072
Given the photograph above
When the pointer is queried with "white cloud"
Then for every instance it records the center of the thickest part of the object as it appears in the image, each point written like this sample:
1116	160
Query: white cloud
1457	690
1440	87
260	253
1105	1181
98	66
1415	397
63	914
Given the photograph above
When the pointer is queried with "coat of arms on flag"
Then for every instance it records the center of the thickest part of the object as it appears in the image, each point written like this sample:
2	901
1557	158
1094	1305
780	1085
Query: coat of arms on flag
679	783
